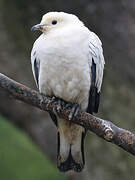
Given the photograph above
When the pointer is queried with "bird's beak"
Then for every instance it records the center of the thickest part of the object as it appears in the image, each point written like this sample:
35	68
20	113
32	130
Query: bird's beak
37	27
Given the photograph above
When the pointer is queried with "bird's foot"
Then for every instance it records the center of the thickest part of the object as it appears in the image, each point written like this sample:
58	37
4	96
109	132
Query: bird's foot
74	111
74	108
61	104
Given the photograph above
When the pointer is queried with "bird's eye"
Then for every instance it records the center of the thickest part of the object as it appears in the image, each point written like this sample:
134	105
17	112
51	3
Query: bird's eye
54	22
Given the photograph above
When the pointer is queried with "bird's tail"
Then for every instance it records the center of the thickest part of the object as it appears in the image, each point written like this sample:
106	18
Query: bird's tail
70	146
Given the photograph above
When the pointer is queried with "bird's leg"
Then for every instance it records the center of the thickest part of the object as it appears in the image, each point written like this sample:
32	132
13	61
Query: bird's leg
74	111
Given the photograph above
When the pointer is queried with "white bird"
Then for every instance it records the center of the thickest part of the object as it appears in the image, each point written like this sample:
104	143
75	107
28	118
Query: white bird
67	62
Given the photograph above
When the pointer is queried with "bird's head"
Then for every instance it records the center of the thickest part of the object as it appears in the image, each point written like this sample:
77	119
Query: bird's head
55	20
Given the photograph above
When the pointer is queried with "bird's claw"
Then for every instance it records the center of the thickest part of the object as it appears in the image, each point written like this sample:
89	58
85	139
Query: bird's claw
74	108
61	104
74	111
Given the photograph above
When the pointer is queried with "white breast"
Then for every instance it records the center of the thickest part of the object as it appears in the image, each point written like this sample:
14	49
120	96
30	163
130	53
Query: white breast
64	70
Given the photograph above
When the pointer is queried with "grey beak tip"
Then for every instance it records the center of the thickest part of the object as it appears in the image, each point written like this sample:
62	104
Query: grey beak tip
37	27
33	28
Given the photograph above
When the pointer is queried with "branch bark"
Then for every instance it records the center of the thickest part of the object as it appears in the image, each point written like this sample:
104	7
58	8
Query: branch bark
102	128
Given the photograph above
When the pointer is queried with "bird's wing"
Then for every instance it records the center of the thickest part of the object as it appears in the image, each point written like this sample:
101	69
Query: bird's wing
35	66
96	64
35	61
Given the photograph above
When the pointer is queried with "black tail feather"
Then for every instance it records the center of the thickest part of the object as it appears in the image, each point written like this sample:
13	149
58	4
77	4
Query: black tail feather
70	163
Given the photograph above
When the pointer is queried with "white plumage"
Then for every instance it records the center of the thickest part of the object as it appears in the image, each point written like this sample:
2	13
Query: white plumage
63	56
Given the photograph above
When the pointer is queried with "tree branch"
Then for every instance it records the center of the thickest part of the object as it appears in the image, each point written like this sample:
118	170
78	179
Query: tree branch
104	129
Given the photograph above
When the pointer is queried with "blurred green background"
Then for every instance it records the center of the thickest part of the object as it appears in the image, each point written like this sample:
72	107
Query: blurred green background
27	135
20	159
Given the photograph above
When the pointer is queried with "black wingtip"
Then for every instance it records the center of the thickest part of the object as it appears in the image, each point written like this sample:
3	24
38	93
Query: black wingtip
94	95
94	99
36	70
